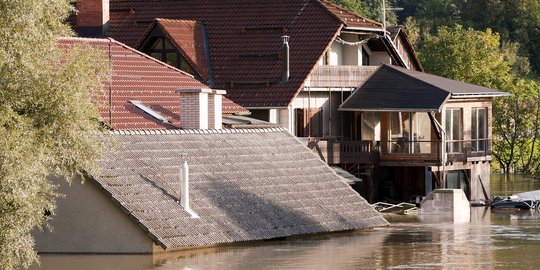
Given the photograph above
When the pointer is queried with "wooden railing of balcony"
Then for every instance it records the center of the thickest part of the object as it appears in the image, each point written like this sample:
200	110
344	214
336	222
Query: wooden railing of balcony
335	151
340	76
469	150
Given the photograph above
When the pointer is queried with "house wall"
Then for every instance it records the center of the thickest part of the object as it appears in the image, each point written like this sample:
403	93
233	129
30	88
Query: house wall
378	58
87	221
350	53
335	55
466	108
332	118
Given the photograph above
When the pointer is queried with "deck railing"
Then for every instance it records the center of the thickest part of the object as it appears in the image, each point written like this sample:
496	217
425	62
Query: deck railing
340	76
335	151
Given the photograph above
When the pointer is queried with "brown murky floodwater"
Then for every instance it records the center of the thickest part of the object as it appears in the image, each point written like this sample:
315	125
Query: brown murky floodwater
492	240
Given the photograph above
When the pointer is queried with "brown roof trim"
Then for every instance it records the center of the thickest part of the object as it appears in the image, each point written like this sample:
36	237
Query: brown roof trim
401	31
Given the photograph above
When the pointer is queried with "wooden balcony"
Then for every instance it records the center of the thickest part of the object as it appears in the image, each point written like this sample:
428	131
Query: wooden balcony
335	151
339	76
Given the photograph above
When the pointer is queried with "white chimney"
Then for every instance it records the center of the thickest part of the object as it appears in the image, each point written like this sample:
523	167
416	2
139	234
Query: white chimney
286	69
184	200
201	108
194	108
217	106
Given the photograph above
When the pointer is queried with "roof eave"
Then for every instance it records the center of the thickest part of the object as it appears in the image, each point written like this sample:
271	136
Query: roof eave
480	95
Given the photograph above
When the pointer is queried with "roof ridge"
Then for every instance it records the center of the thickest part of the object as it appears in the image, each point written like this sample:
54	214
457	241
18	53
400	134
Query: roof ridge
195	131
104	40
175	20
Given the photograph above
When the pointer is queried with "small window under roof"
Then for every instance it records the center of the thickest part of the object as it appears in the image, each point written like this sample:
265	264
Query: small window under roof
149	111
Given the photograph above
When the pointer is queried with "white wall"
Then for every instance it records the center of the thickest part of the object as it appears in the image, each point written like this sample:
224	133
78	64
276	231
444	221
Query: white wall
378	58
350	53
335	57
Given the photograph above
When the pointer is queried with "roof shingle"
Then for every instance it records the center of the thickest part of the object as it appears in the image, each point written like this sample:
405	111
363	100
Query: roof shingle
244	40
137	76
244	184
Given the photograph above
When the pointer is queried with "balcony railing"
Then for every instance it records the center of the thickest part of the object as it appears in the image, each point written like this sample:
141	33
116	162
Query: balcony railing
340	76
335	151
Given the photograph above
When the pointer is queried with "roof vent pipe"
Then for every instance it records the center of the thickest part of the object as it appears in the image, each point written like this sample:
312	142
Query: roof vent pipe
184	179
285	47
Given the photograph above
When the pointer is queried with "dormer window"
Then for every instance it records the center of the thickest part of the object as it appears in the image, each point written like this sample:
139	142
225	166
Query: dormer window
160	48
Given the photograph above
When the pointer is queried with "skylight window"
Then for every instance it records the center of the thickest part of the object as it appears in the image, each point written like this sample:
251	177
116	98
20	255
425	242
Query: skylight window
149	111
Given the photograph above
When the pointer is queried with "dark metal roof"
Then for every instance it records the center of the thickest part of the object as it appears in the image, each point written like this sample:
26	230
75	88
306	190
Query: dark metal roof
246	184
392	88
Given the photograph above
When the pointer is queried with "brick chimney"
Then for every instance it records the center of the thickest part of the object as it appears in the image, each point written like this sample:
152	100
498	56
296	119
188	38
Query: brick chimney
92	17
200	108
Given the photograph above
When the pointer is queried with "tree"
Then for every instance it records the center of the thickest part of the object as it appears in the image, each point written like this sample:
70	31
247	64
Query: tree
478	57
372	9
466	55
515	127
48	124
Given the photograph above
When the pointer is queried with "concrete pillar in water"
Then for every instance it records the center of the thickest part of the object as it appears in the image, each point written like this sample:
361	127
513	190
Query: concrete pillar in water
445	205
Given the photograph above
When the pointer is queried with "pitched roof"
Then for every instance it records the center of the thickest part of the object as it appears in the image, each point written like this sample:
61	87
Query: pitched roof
187	37
244	184
351	19
392	88
137	76
244	40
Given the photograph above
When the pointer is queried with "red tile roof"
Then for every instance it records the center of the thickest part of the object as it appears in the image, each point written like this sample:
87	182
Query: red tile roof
187	37
350	19
244	40
137	76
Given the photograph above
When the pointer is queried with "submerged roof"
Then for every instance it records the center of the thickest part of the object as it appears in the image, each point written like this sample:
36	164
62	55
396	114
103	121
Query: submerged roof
244	39
137	76
392	88
244	184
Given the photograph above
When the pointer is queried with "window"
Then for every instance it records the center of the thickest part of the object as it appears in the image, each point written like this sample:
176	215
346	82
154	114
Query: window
402	140
365	57
309	122
478	129
162	49
453	130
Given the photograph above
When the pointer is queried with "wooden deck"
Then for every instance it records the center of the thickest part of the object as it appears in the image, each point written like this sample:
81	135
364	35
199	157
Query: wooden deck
340	76
334	151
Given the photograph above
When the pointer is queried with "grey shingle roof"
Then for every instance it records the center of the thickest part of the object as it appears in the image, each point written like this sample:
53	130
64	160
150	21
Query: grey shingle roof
392	88
244	184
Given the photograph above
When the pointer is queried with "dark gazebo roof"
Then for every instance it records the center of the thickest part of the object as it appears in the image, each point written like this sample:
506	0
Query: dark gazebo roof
392	88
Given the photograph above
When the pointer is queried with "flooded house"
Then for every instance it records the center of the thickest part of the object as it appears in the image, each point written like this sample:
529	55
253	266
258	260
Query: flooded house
295	63
174	179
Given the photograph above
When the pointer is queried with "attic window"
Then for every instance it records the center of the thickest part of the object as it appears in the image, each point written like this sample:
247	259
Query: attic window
160	48
149	111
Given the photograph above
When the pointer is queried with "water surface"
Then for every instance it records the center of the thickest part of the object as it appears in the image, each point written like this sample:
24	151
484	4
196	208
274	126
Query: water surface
492	240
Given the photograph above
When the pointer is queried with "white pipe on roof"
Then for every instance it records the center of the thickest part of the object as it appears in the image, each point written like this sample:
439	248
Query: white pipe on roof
184	200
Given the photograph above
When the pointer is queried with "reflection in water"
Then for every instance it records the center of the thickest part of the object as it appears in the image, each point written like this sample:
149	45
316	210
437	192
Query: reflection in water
492	240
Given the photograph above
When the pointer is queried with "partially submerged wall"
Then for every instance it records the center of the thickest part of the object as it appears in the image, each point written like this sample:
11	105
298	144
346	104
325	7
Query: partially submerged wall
87	221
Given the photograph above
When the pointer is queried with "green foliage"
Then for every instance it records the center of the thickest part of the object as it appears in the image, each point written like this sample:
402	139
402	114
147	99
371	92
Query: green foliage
48	125
515	127
372	9
466	55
